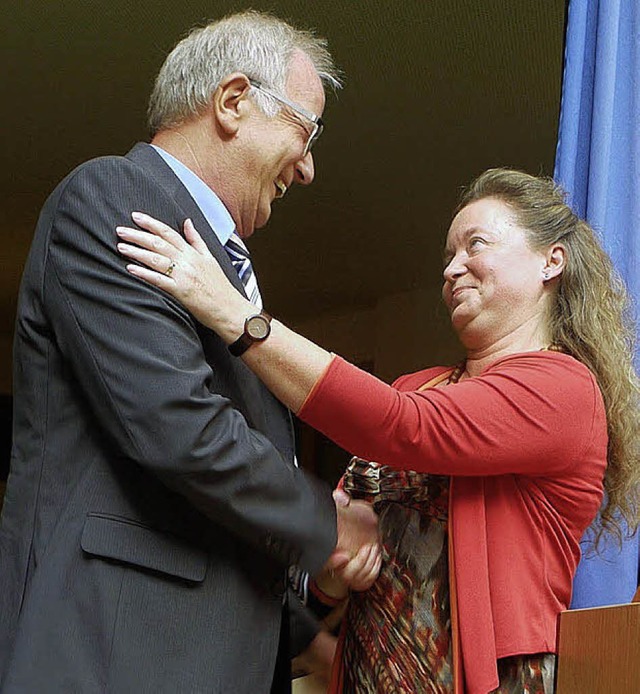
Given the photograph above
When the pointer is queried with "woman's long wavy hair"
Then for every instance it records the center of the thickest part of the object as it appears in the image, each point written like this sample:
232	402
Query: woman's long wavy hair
590	320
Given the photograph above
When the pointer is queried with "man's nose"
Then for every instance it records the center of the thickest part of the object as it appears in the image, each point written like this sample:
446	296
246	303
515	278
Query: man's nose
305	170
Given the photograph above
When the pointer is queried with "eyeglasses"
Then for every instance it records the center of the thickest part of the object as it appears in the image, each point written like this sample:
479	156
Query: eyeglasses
316	121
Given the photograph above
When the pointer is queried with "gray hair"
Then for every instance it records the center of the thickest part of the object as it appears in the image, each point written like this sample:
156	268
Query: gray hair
257	44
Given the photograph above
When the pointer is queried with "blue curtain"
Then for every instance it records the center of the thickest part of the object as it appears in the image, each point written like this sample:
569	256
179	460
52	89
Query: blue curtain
598	163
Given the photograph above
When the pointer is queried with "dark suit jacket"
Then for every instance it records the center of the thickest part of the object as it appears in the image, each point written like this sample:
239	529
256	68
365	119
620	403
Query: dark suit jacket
152	505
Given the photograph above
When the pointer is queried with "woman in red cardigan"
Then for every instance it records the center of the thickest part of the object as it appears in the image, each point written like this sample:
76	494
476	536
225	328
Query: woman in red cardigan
487	473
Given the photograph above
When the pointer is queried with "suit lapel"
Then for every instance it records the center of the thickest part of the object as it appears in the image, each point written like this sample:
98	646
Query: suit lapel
280	429
145	156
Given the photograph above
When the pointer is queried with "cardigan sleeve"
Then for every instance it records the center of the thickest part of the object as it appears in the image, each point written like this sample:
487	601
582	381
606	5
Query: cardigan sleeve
530	413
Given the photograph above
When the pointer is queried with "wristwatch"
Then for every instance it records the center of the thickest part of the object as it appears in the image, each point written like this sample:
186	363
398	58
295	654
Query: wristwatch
256	329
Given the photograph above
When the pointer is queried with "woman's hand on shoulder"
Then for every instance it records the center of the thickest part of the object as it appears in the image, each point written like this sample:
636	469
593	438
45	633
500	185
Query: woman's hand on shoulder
182	267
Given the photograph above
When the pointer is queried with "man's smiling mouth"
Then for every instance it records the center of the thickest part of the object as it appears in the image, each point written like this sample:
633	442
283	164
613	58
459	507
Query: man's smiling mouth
281	188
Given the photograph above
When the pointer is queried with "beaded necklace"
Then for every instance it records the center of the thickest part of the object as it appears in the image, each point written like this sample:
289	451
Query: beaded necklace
454	377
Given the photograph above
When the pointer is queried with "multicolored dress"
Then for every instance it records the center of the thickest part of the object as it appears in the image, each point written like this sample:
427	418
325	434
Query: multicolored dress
398	633
398	636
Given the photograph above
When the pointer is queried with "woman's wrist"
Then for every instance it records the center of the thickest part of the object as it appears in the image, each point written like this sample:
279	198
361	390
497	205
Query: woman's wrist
229	319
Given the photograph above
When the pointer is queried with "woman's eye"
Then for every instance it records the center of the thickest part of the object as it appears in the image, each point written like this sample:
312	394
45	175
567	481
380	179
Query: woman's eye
475	242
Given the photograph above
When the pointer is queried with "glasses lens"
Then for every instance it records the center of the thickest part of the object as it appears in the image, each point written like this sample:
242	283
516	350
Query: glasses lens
318	127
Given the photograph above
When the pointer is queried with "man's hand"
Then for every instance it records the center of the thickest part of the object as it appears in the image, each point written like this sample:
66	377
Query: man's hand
356	560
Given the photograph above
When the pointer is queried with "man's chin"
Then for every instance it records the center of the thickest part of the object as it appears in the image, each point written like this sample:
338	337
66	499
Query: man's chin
262	218
258	222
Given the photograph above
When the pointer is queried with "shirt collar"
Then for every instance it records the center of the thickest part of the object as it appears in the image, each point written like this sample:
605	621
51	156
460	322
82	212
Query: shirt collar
209	203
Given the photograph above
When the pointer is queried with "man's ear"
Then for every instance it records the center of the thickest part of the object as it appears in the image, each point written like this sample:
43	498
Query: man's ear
230	102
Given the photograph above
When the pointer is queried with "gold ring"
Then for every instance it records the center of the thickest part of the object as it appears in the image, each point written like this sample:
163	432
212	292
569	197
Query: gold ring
170	269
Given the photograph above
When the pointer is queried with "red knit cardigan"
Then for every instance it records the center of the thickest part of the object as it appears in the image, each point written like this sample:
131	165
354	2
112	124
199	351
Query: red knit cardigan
525	444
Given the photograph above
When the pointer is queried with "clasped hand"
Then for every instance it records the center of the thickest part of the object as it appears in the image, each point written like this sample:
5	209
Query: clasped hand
357	558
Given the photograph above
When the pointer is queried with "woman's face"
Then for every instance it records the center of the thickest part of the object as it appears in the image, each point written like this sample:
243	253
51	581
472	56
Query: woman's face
493	280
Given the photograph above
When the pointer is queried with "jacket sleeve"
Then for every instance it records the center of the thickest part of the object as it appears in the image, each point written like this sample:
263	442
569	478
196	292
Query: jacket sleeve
138	359
531	413
304	626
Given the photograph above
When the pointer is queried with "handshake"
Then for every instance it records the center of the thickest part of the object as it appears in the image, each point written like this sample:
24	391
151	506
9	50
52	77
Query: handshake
354	565
356	560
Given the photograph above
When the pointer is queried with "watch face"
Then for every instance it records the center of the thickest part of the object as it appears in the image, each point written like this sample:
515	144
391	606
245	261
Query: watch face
258	327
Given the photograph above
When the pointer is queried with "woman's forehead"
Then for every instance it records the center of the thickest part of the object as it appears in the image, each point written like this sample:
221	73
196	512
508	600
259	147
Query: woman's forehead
487	215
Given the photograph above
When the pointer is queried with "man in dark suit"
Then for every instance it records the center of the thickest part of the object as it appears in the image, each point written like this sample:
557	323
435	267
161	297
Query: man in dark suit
153	503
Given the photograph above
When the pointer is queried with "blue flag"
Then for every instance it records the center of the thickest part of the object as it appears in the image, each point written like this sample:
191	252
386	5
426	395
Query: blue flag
598	164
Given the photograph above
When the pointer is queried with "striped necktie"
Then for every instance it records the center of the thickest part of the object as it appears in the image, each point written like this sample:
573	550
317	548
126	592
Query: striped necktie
241	261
